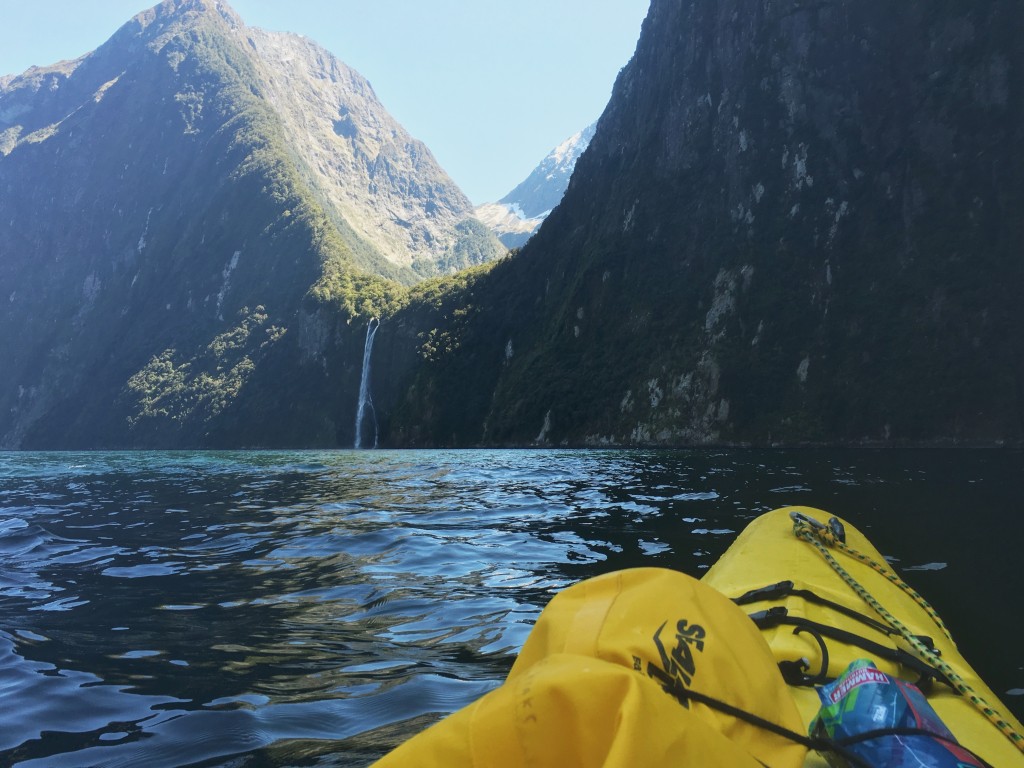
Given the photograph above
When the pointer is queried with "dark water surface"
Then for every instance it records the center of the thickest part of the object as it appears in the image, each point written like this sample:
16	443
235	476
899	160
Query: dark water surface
314	608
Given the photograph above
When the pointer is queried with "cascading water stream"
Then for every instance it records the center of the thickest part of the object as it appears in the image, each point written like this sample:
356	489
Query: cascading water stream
364	386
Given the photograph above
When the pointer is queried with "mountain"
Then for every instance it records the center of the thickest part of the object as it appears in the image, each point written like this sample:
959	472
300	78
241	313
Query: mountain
192	214
517	215
385	185
796	222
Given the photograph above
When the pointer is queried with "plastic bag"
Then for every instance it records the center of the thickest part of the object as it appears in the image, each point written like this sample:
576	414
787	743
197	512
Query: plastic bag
863	699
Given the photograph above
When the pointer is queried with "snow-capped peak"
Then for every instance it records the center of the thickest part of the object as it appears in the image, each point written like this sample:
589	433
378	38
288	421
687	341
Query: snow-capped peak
518	214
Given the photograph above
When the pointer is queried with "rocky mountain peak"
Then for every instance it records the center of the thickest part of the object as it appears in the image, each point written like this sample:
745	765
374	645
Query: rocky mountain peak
189	10
543	189
384	188
175	204
518	214
386	184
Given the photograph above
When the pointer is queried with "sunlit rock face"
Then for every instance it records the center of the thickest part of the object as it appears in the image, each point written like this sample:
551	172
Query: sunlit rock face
157	191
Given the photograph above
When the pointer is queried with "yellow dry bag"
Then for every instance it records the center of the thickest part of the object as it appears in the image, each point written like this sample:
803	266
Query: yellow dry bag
619	671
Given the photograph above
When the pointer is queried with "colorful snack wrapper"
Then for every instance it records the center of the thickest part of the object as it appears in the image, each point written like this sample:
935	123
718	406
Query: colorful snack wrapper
905	731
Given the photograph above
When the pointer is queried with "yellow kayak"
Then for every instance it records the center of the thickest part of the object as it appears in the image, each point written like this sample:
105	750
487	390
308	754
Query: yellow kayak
746	667
768	553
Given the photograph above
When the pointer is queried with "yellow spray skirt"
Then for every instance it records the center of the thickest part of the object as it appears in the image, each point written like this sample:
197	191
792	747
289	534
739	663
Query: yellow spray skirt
614	672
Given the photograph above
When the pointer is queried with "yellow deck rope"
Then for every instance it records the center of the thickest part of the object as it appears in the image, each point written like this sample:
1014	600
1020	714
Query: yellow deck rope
826	536
822	538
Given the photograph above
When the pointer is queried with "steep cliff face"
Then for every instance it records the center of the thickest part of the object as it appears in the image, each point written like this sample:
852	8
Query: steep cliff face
191	216
795	222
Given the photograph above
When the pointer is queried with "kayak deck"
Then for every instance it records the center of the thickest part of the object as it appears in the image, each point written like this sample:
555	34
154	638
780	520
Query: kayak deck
649	666
768	552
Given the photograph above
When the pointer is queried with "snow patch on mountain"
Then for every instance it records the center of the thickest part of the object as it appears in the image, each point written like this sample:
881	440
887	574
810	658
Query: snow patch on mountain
518	214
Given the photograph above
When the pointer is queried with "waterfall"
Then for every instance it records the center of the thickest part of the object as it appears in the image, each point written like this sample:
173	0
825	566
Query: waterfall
364	386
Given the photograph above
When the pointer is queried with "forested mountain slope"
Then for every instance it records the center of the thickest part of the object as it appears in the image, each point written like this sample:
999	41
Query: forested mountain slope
194	208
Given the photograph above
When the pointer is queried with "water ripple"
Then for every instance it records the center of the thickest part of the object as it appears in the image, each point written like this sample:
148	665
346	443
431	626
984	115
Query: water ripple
170	609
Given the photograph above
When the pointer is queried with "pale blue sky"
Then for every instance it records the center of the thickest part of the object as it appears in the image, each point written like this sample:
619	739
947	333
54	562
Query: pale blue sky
489	85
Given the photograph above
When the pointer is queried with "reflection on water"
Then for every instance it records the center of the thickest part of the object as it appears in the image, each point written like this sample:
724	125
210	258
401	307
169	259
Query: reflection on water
300	608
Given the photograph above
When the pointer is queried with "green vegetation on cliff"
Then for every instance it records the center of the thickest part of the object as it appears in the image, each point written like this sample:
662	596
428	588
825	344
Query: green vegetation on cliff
190	392
153	192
